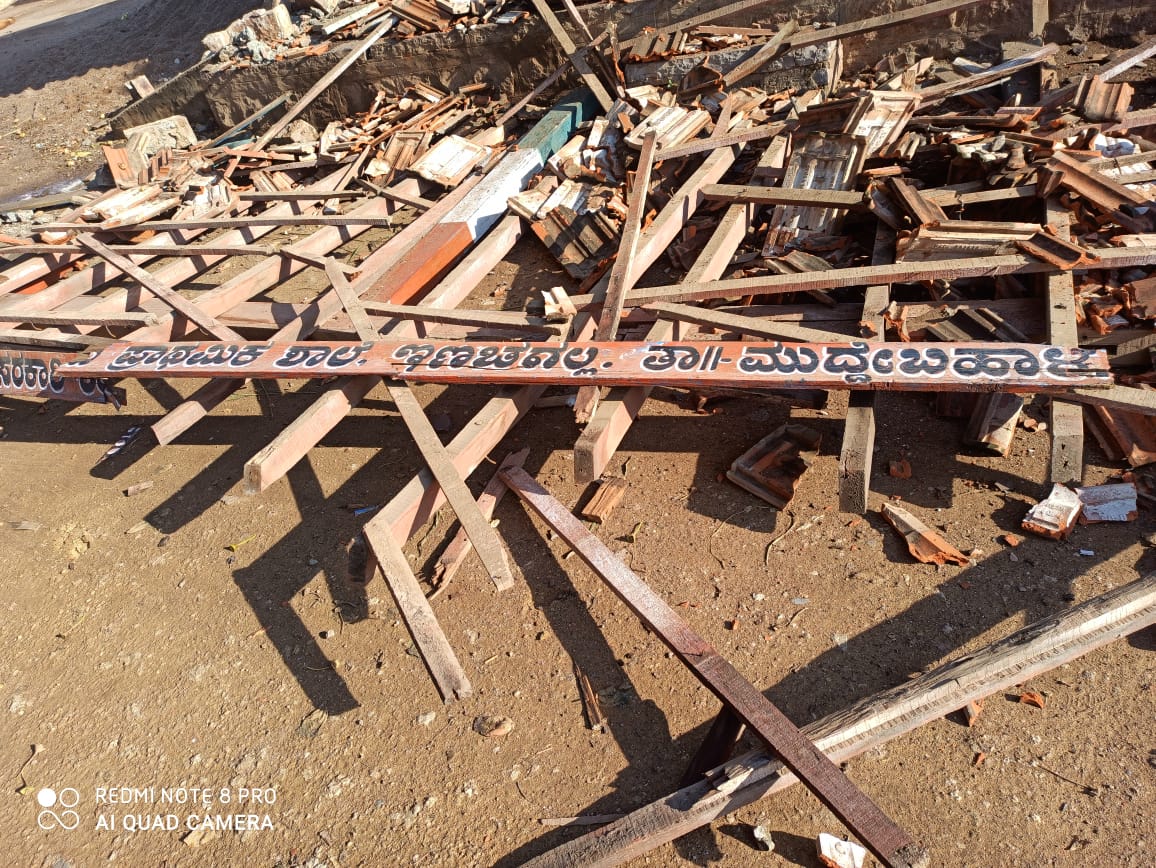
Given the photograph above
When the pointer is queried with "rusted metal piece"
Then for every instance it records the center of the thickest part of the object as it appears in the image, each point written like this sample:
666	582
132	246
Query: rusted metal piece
974	367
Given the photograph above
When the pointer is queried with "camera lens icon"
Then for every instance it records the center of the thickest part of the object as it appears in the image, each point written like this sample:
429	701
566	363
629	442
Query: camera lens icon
66	819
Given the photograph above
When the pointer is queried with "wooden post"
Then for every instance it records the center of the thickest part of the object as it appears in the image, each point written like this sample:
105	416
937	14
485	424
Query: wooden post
1066	428
575	55
858	452
890	844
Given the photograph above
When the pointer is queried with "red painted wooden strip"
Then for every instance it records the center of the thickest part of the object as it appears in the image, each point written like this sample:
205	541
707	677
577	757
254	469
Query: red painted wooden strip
31	374
852	365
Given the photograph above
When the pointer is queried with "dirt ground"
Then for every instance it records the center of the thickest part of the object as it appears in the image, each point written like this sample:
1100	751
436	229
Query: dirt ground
194	637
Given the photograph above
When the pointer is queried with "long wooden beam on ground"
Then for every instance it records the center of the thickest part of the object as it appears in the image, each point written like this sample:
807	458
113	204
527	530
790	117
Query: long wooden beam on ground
873	721
890	844
962	366
415	609
785	196
868	275
911	15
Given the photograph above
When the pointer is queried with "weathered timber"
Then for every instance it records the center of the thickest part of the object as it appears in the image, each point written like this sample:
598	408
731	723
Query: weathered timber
875	720
744	325
785	196
867	275
862	816
857	454
575	55
458	550
431	642
167	294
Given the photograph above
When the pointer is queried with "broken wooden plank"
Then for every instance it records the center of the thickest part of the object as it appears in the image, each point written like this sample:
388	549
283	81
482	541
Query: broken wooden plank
886	840
785	196
608	495
431	642
763	56
870	722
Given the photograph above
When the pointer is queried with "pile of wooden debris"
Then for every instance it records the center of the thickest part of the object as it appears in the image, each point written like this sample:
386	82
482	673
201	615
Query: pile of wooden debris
981	231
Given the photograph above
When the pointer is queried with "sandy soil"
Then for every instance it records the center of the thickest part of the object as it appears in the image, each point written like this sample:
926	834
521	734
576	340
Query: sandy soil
193	637
63	67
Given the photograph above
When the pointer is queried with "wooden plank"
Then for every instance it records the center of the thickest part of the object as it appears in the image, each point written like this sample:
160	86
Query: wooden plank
1131	399
431	642
190	311
1066	421
576	56
744	325
867	275
611	420
482	535
873	721
623	266
703	18
766	53
699	146
265	220
785	196
146	252
885	839
458	550
857	454
490	319
322	84
245	123
993	75
972	367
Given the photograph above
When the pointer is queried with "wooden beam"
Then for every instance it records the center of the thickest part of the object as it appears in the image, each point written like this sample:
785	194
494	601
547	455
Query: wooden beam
576	56
887	841
489	319
611	420
873	721
699	146
1131	399
867	275
265	220
167	294
322	84
766	53
993	75
419	619
1066	421
785	196
458	550
857	454
881	22
744	325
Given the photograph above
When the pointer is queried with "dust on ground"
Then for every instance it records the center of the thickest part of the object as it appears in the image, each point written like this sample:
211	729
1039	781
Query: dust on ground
191	636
